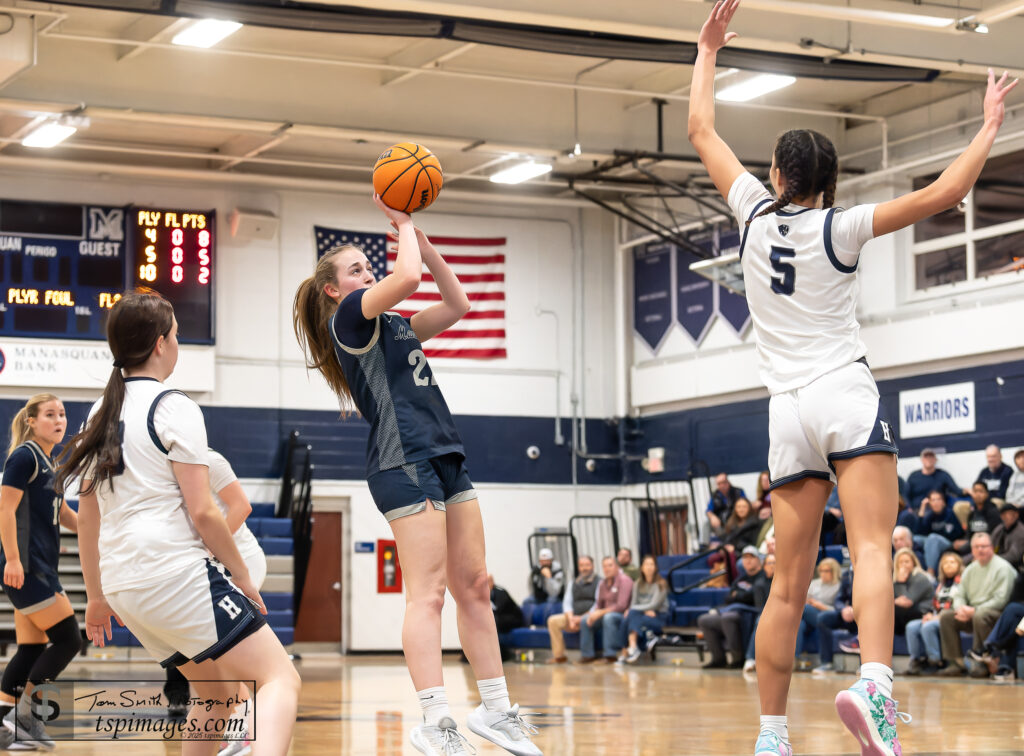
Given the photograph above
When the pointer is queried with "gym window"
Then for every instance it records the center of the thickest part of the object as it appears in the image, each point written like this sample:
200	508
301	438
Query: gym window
983	237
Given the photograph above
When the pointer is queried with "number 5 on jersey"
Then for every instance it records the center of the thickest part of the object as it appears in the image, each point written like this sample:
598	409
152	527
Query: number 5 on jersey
419	362
787	284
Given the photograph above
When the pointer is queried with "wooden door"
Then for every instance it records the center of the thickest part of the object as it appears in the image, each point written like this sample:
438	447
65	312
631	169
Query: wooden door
319	619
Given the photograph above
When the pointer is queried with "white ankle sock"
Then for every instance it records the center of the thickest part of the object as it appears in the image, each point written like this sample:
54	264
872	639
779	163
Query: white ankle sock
778	725
434	702
494	694
880	675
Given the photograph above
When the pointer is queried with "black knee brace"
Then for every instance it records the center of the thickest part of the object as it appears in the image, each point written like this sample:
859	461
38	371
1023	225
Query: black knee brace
66	644
18	668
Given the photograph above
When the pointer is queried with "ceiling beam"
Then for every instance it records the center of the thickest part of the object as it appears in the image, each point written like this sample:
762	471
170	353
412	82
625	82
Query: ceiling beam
145	29
424	54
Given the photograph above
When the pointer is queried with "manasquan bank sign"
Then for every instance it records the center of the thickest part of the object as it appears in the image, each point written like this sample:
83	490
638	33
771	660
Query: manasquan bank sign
938	410
49	364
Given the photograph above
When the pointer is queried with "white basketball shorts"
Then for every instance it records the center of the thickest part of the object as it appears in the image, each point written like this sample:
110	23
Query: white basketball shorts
837	416
195	616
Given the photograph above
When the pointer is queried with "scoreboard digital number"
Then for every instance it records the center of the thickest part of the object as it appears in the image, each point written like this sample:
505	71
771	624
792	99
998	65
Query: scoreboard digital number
63	266
173	253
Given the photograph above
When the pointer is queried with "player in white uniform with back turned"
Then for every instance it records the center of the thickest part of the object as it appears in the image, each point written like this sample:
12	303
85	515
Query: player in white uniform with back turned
146	519
799	258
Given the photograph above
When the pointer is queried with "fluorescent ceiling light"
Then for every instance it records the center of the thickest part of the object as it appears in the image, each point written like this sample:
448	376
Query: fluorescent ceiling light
753	87
999	12
205	33
520	172
48	134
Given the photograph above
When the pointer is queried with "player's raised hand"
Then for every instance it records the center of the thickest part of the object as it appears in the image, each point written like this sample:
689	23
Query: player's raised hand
714	35
995	97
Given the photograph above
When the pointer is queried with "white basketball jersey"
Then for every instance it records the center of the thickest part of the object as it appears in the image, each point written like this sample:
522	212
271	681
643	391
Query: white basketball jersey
146	534
222	476
799	270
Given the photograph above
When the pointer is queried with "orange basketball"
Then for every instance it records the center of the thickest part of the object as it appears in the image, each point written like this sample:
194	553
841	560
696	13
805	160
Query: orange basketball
407	177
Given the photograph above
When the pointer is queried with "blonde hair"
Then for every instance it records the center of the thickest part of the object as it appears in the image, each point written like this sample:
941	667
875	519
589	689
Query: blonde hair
21	431
836	570
311	313
896	559
956	558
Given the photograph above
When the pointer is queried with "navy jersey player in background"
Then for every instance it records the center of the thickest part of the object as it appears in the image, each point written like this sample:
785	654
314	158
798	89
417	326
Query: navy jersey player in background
31	514
373	358
799	257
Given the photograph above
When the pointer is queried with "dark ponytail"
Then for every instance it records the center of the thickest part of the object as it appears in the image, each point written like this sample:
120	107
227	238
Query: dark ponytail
134	325
810	166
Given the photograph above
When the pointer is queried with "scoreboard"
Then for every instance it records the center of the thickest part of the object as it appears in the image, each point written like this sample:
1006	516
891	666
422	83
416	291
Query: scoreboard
63	266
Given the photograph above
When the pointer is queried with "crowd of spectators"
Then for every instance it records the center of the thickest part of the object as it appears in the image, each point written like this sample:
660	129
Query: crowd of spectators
958	567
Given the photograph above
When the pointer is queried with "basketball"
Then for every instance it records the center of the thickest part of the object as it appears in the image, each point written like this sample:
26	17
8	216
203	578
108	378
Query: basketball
407	177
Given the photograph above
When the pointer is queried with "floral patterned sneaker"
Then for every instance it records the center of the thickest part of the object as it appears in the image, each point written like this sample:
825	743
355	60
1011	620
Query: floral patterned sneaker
871	717
769	744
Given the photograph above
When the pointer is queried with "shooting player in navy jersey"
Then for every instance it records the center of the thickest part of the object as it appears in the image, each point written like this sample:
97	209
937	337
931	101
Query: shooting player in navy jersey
373	358
30	518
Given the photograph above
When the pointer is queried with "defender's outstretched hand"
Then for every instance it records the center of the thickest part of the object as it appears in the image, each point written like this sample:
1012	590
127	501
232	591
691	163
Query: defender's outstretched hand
713	35
995	97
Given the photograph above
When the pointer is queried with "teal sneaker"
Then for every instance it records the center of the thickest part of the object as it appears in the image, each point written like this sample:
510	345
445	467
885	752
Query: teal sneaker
871	717
769	744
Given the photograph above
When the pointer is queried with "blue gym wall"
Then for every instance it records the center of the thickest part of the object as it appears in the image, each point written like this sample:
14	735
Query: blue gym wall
734	437
731	437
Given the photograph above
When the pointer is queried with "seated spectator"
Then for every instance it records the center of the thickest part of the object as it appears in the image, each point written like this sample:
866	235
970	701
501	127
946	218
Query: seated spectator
769	572
1008	538
547	579
1015	491
938	530
763	504
625	560
507	614
722	501
996	474
912	589
906	516
923	639
732	623
821	596
839	618
613	595
929	478
903	538
580	596
648	610
983	517
832	520
1000	655
742	527
985	589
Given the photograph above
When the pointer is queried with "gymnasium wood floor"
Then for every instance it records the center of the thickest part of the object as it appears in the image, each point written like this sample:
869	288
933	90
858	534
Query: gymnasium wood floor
364	705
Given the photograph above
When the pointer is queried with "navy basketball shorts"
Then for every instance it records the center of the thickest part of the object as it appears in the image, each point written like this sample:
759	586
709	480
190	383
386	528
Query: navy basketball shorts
837	416
39	591
405	490
195	616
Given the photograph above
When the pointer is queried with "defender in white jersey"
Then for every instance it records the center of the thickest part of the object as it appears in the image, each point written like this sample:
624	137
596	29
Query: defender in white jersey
800	257
146	520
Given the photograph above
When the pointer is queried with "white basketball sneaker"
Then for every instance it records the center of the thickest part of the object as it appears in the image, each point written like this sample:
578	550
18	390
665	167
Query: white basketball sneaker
443	739
504	728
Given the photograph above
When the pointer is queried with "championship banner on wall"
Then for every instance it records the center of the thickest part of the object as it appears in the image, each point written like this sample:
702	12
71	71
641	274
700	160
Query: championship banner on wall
695	294
938	410
652	293
731	306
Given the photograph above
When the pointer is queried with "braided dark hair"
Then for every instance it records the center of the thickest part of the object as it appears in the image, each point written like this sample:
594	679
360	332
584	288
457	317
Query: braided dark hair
808	161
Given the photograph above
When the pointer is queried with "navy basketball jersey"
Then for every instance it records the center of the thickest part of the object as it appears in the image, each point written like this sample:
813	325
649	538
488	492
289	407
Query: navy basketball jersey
393	387
32	471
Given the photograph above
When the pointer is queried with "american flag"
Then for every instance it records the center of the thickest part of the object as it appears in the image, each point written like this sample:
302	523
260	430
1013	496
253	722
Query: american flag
480	266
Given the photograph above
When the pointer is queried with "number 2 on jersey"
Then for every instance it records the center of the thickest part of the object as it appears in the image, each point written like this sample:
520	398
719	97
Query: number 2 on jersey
787	283
419	362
